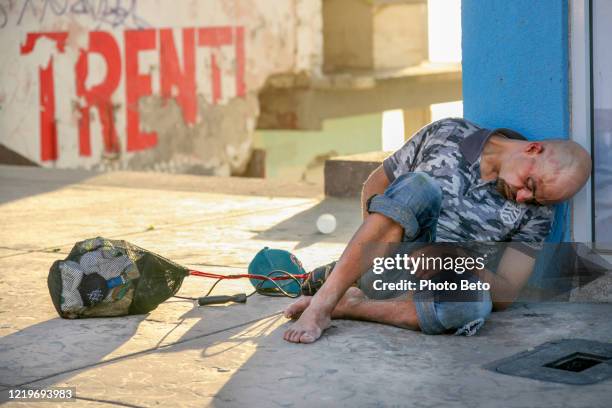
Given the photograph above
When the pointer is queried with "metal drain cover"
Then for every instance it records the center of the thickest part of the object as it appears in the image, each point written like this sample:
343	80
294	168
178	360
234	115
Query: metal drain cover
569	361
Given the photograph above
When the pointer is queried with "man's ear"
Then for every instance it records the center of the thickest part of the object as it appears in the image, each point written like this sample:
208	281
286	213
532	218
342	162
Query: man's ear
534	148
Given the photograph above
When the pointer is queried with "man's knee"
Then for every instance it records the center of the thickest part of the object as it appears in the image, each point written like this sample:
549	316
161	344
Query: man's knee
412	201
466	317
456	315
418	190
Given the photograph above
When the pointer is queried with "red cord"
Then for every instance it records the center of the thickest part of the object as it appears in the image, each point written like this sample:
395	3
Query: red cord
246	275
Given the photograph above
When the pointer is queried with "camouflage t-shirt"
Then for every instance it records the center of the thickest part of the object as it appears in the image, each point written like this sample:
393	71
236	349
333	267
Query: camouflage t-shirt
449	150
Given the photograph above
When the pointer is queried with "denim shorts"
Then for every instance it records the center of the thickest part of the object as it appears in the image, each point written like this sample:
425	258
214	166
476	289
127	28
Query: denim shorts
438	312
413	200
437	315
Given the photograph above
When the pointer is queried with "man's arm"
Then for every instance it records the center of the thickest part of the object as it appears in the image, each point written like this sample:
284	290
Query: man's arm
513	272
376	183
399	162
516	266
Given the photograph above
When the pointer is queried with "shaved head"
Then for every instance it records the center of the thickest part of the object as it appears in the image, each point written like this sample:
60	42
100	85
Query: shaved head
564	168
542	172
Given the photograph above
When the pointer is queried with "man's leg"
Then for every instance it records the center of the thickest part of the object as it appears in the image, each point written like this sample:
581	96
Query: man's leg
391	220
355	260
355	305
419	312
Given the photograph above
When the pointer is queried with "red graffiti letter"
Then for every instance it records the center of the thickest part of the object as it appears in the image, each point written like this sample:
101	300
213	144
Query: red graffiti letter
99	96
239	43
171	75
137	85
215	37
48	128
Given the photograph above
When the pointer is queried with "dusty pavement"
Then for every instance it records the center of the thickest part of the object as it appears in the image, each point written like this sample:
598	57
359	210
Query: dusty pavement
234	355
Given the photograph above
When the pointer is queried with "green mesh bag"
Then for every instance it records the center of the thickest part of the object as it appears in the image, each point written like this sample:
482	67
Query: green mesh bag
103	277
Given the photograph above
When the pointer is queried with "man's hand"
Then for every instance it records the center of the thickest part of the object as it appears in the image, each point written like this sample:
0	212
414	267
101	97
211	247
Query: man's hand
513	272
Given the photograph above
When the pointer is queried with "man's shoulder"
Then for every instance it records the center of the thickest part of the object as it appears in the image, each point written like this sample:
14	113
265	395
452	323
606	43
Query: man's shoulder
450	130
433	145
461	124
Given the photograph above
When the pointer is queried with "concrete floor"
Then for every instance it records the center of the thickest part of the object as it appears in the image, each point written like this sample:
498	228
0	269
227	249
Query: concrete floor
234	355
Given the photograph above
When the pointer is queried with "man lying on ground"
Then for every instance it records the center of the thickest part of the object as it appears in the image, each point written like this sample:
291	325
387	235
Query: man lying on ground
451	182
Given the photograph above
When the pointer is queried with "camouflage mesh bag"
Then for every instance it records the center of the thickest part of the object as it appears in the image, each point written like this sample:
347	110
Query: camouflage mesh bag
103	277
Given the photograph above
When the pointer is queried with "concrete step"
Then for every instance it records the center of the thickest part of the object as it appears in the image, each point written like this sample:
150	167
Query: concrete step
303	102
345	175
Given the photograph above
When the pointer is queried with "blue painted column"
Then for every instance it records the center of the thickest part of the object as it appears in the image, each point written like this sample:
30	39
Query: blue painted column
515	71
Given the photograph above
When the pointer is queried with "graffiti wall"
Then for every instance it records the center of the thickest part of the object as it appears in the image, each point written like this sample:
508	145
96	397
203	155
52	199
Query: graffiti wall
158	84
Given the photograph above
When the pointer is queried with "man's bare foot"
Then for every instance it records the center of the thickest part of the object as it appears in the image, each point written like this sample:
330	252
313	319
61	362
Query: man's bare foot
294	310
352	297
309	326
311	323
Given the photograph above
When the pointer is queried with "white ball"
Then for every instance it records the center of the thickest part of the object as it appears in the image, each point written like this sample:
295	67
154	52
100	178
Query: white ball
326	224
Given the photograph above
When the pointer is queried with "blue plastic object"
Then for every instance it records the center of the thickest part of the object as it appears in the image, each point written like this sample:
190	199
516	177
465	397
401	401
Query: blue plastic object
111	283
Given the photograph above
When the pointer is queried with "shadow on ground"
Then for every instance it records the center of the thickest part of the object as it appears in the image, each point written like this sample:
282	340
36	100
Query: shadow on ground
17	182
73	345
365	364
354	363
